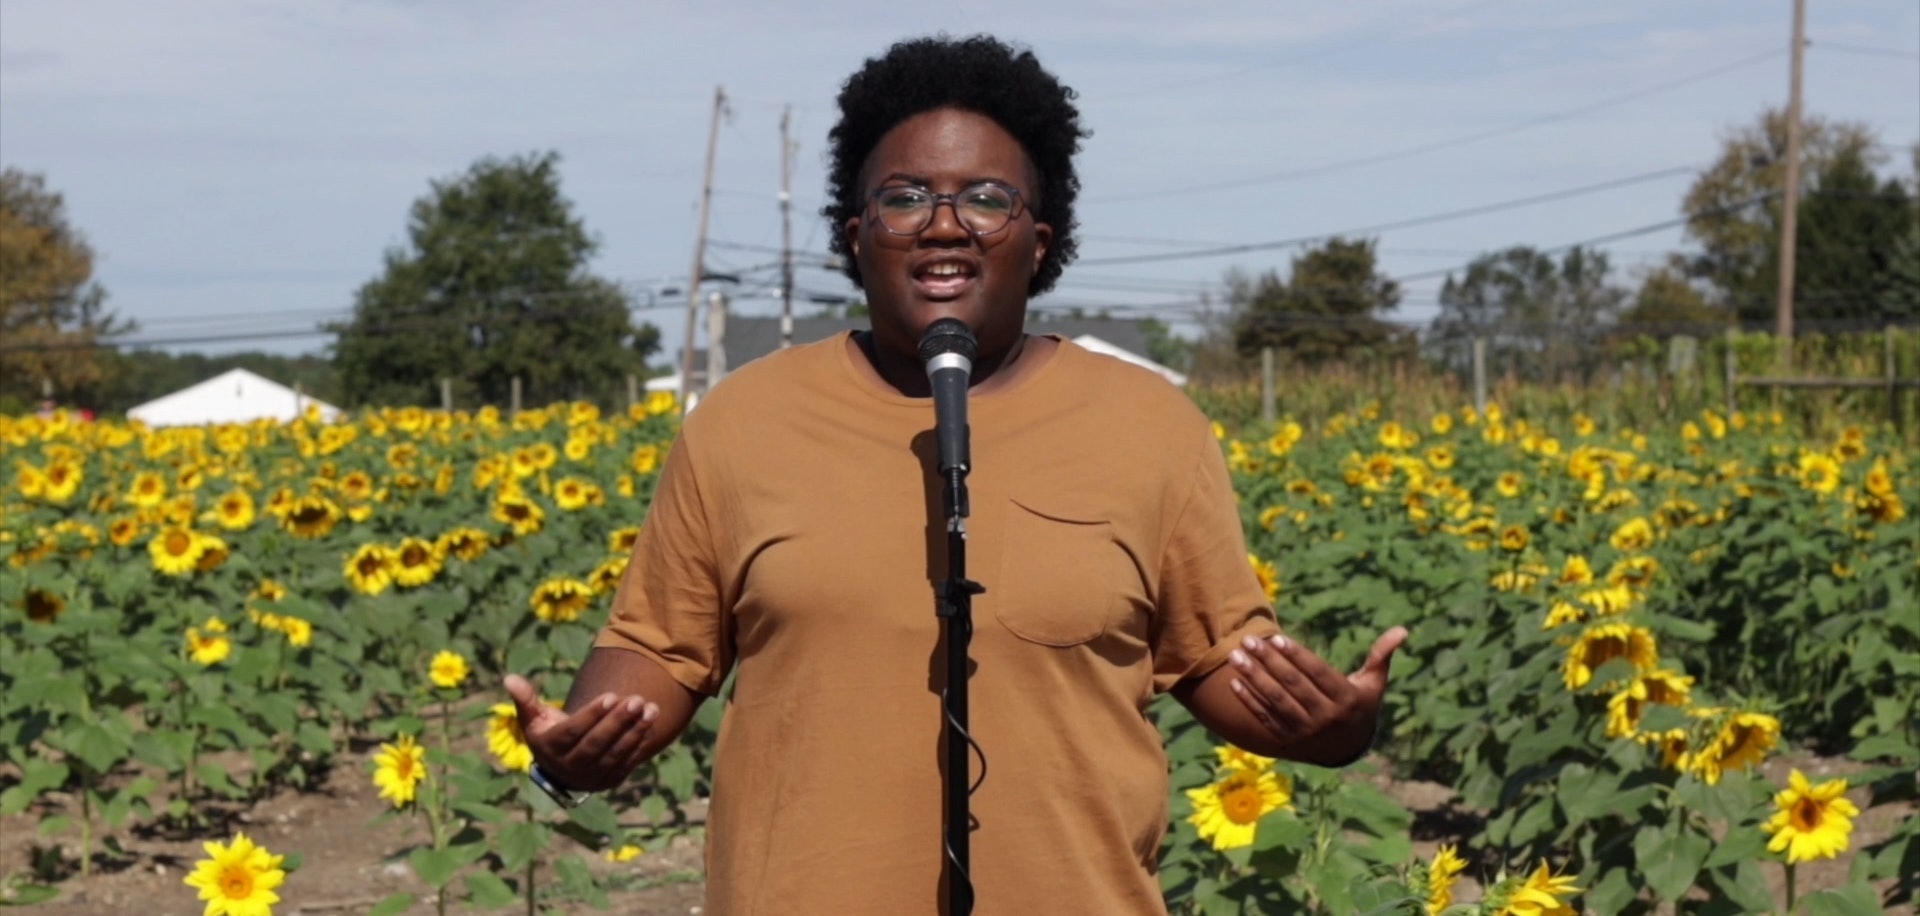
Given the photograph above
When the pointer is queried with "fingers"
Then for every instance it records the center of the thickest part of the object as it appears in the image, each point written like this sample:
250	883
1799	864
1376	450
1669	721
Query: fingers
1372	675
619	718
1276	688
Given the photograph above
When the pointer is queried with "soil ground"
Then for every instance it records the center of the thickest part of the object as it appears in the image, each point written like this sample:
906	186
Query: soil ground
353	858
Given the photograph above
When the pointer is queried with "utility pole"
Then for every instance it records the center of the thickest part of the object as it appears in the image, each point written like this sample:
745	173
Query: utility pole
787	148
700	249
1790	213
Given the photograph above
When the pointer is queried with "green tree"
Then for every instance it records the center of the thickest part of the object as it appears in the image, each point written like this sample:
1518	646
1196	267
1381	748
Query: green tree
1328	308
1900	288
1540	318
1669	302
52	314
492	286
1734	212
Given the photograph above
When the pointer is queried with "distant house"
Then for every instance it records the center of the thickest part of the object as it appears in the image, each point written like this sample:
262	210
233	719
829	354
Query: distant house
749	339
235	396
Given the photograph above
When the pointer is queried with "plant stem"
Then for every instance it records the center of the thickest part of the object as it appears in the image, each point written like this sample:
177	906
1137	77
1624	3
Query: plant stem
532	908
1790	894
86	821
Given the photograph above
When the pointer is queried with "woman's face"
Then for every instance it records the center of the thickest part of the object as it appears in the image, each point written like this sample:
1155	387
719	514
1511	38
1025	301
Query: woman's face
945	272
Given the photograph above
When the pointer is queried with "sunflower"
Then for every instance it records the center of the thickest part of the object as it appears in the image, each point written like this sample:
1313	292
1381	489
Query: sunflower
1885	509
1813	821
1743	741
1541	894
1633	536
311	517
621	541
512	507
42	606
176	551
465	543
660	403
646	459
506	740
1441	424
1233	759
1268	575
235	511
1666	688
212	646
1441	875
1514	538
1440	456
1879	478
1819	473
574	494
625	853
269	590
371	568
578	449
357	487
448	669
1577	571
605	578
1228	811
238	880
1510	484
1562	613
1604	643
213	552
148	490
561	600
399	769
62	481
415	563
1633	573
124	531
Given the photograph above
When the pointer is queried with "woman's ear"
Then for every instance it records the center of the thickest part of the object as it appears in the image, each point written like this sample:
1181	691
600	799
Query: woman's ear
1042	240
853	236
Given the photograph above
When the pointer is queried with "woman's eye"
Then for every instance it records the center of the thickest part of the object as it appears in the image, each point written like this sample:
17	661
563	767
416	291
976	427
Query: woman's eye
988	201
904	199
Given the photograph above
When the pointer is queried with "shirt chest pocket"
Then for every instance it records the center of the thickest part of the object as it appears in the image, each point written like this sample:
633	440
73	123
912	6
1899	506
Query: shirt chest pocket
1064	578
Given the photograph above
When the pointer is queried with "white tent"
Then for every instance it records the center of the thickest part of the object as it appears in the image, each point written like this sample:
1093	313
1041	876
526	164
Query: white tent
1100	346
237	396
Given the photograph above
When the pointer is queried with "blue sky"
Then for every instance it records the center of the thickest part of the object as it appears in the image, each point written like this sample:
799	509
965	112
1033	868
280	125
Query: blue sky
240	166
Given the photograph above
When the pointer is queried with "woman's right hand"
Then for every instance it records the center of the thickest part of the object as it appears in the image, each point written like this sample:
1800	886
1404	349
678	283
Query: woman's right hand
592	749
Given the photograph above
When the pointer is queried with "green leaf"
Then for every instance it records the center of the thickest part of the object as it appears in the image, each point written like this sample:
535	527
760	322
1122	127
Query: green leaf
486	890
1852	900
1612	892
29	894
394	905
520	842
437	866
100	746
1669	858
1745	884
1741	844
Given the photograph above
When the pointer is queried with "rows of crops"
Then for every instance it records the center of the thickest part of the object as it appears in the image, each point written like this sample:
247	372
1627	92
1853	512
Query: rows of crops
1611	629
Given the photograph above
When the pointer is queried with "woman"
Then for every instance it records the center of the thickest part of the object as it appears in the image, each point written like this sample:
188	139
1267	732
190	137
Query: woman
789	543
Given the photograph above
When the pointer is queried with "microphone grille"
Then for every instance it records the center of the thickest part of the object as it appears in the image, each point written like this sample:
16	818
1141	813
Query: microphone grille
948	335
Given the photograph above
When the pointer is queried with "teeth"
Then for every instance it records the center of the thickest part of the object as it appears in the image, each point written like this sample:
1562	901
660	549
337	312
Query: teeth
947	270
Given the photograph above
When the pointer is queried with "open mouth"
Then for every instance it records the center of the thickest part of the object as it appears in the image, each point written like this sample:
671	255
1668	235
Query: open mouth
944	279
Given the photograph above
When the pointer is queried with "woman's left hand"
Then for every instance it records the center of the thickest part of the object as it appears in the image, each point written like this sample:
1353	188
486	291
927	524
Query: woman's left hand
1321	714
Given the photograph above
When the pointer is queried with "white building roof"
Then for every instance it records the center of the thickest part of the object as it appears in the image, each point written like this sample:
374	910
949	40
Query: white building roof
236	396
1100	346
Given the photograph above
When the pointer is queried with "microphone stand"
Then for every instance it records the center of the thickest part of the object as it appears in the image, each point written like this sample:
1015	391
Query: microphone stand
956	612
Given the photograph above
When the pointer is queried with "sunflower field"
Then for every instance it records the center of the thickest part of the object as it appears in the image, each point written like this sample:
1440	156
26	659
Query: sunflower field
1612	631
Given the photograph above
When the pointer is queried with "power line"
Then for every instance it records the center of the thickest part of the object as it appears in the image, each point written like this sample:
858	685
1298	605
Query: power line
1398	224
1863	49
1407	152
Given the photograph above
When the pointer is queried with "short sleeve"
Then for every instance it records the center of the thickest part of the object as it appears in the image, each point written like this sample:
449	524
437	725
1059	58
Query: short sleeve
1209	596
669	605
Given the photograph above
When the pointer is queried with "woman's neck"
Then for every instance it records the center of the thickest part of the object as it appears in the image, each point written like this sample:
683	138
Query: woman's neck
909	377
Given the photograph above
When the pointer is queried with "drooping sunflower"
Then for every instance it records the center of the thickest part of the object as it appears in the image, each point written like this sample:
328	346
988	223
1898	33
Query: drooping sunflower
1813	822
1634	573
1227	812
399	769
448	669
1441	875
42	606
621	541
1514	538
505	739
370	568
514	508
646	459
1660	686
238	879
1235	759
415	562
124	531
561	600
176	551
466	543
208	644
1577	571
311	517
1633	536
1606	642
1743	741
1268	574
213	552
1542	894
605	578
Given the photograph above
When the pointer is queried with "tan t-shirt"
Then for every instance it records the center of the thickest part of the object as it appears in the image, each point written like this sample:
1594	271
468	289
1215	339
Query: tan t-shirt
790	540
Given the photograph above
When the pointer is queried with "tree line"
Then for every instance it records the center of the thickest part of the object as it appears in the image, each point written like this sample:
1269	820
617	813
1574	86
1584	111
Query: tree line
493	284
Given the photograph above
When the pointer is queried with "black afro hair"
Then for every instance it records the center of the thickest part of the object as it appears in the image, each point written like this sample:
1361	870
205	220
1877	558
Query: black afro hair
979	74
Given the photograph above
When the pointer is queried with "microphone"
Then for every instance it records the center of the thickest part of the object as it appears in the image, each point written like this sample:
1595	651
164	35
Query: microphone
948	348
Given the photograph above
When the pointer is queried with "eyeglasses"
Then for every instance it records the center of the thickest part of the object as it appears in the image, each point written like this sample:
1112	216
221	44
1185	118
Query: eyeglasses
982	209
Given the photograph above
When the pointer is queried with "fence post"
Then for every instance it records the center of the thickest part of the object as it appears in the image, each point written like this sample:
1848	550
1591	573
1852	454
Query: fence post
513	398
1732	366
1480	375
1893	389
446	394
633	391
1266	385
